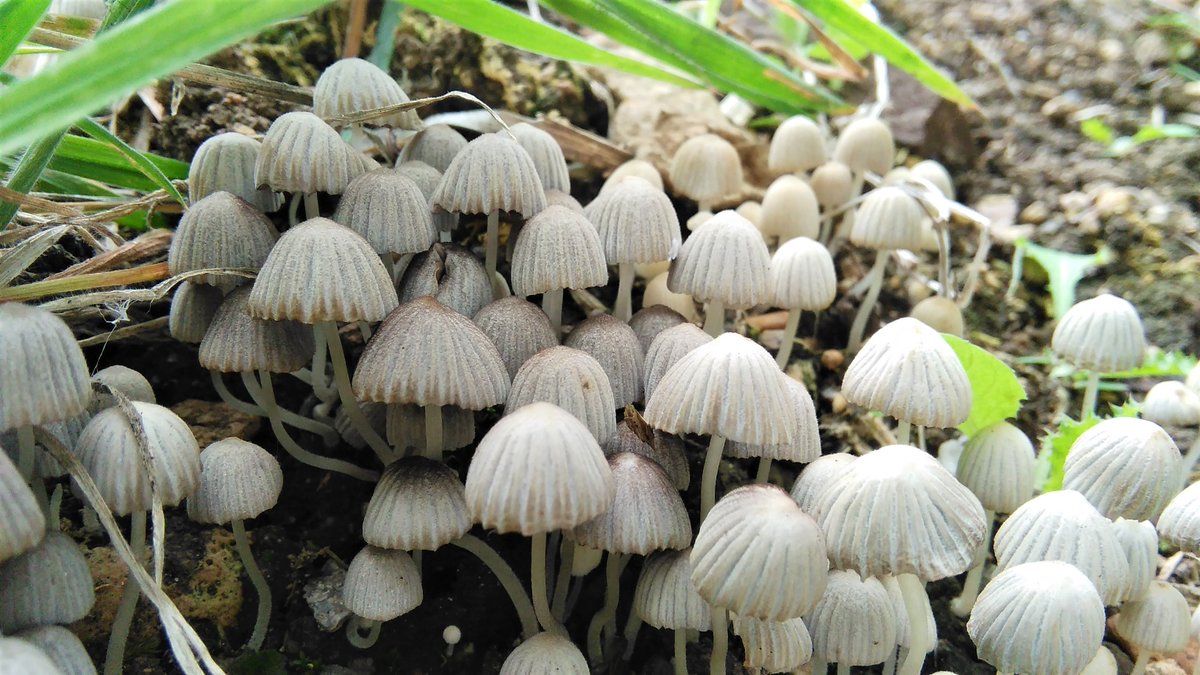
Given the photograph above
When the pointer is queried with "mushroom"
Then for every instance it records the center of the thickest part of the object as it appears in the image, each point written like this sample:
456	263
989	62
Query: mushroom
833	185
667	598
547	156
806	446
663	449
518	329
819	474
436	146
380	585
939	313
21	657
723	264
853	624
405	426
1100	335
774	646
658	294
615	347
864	146
353	85
22	522
1158	622
1139	541
303	155
706	168
571	380
1173	404
132	384
49	583
225	162
390	212
220	231
649	322
634	167
557	249
543	654
801	277
64	649
193	307
789	210
1179	524
797	146
1138	451
451	274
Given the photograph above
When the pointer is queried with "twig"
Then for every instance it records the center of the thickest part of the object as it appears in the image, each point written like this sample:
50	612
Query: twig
361	116
83	282
23	200
354	31
126	332
149	244
853	69
152	294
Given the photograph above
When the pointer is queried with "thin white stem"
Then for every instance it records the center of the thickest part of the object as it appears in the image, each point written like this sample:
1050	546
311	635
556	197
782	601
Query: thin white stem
714	318
680	651
720	646
263	617
903	431
537	573
868	303
612	581
623	309
341	376
507	578
492	244
1143	659
633	625
566	560
843	668
918	630
708	481
312	208
552	306
320	378
789	338
114	657
26	450
1089	395
328	434
764	470
965	602
433	432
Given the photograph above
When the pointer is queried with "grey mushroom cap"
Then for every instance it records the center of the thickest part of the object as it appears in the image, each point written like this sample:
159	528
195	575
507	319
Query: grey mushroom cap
193	307
518	328
436	145
665	595
450	273
355	85
22	524
301	153
662	448
1127	468
62	646
238	343
725	260
21	657
646	515
546	154
545	654
615	346
220	231
649	322
557	248
128	381
225	162
418	503
571	380
492	173
42	371
1103	334
381	584
50	583
854	623
389	211
405	426
238	480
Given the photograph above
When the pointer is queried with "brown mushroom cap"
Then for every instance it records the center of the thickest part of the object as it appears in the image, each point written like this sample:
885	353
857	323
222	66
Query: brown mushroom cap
450	273
193	307
518	328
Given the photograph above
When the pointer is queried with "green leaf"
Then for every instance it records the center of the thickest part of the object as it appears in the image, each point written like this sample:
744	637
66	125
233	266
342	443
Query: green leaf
150	45
1154	133
385	35
1055	446
1097	130
95	160
1158	364
996	394
514	28
1065	270
843	17
136	159
682	43
18	17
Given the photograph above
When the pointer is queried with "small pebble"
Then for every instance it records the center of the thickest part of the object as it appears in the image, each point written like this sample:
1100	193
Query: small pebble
832	358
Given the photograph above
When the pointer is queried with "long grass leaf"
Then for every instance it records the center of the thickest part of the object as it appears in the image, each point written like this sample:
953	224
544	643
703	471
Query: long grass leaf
27	171
18	17
130	154
99	161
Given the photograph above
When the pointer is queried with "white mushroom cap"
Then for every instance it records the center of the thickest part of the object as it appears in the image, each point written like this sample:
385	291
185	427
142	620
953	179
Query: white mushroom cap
802	276
42	371
998	465
634	167
545	654
706	168
128	381
789	210
665	595
64	649
225	162
518	328
661	448
649	322
657	293
21	657
22	523
571	380
637	223
50	583
1127	468
1103	663
616	347
854	623
418	504
833	184
1172	404
646	515
939	313
797	145
492	173
818	475
435	146
301	153
1159	622
888	218
546	154
725	260
381	584
866	145
806	445
355	85
238	481
774	646
1139	541
1179	524
557	248
237	342
1103	334
666	349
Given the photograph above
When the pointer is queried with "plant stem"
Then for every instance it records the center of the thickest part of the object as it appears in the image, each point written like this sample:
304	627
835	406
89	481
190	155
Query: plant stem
708	481
714	318
433	432
115	656
962	605
623	309
537	574
28	170
492	245
355	636
341	376
720	646
789	338
918	637
864	310
552	306
903	432
260	585
1089	395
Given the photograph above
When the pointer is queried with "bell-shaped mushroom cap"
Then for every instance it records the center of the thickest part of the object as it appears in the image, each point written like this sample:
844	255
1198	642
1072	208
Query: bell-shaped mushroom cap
661	448
108	448
1062	525
223	231
657	294
42	372
225	162
1139	541
907	370
1179	524
405	426
238	343
634	167
518	328
806	445
49	583
382	584
557	248
238	481
833	185
354	85
757	554
436	145
903	637
897	511
425	176
647	323
998	465
428	354
61	646
418	504
802	276
492	173
301	153
665	596
376	415
546	154
132	384
818	475
571	380
774	646
1103	334
789	210
322	271
725	260
646	515
1126	467
22	524
935	174
706	168
866	145
615	346
888	218
1172	404
389	211
1041	618
854	623
545	654
939	313
797	145
560	198
450	273
1103	663
44	465
671	345
729	387
637	223
21	657
538	469
193	307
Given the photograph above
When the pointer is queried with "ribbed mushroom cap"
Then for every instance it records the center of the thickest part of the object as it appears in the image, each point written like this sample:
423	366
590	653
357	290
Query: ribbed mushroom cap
774	646
223	231
1062	525
797	145
657	294
789	210
888	218
1041	618
936	175
428	354
706	168
615	346
634	167
545	654
389	211
854	623
647	323
557	248
61	646
405	426
21	657
546	154
1158	622
802	276
49	583
225	162
897	511
637	223
1172	404
65	431
571	380
42	372
376	415
238	481
355	85
425	176
806	445
725	260
998	465
560	198
418	504
729	387
538	469
22	523
301	153
866	145
492	173
435	145
238	343
757	554
450	273
833	185
1126	467
665	596
1103	663
193	307
671	345
907	370
903	637
1179	524
663	449
518	328
132	384
1139	541
818	475
382	584
939	313
1103	334
322	271
646	515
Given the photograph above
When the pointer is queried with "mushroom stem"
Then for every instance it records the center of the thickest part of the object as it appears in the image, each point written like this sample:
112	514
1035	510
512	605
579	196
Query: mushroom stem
433	432
341	376
843	668
293	206
114	657
864	310
552	306
355	634
680	651
789	338
889	664
53	507
327	433
312	208
1139	666
943	245
537	574
623	309
25	451
708	481
633	625
918	637
1189	462
720	645
492	244
612	589
903	432
1089	395
566	553
260	585
714	318
388	265
508	579
764	470
843	229
320	379
962	605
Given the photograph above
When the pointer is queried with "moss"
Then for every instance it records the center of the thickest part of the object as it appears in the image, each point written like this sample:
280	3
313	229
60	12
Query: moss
214	591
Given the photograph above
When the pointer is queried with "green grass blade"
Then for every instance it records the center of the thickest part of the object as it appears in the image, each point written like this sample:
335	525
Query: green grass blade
150	45
139	161
385	35
18	17
100	161
841	16
496	21
120	10
26	172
